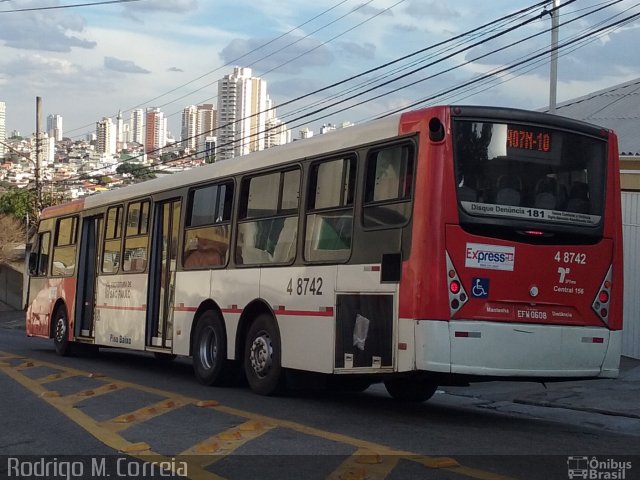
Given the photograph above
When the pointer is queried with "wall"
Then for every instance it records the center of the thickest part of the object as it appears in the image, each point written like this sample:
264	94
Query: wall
631	240
11	287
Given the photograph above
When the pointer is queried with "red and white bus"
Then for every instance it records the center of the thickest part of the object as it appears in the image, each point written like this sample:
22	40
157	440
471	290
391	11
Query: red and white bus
440	246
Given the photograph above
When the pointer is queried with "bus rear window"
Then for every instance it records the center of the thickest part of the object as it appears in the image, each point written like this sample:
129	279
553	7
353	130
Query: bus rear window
527	172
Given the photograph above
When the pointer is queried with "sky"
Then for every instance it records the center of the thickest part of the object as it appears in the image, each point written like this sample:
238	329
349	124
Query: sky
90	62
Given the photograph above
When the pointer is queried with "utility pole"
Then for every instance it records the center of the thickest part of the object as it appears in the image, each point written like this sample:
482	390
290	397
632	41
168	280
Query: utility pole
553	74
38	154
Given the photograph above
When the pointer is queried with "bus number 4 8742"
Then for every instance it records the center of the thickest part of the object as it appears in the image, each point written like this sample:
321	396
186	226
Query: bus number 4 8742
305	286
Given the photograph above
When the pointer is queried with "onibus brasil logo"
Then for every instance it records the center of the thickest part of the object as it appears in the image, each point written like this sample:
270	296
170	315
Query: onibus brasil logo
593	468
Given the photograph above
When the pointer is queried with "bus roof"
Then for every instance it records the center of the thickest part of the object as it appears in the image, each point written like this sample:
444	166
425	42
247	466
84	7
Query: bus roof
334	141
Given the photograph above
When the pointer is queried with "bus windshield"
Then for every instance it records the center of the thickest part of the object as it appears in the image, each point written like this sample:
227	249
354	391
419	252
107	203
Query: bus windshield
529	172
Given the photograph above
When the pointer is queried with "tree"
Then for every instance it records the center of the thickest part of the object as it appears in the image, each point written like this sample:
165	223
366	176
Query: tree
139	172
18	203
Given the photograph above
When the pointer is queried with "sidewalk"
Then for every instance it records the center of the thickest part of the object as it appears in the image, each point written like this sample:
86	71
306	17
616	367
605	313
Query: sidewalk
618	397
11	318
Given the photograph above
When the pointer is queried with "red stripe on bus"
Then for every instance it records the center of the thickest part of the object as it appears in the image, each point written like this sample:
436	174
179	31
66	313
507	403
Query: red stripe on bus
186	309
304	313
113	307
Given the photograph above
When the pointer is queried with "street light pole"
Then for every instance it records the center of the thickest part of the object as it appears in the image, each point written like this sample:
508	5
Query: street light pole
553	74
38	153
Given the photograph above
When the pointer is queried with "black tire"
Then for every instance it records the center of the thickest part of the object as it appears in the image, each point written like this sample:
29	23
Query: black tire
210	363
262	357
410	389
61	332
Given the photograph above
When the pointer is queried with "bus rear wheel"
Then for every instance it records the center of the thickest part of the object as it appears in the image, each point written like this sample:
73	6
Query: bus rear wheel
61	332
262	365
410	389
210	363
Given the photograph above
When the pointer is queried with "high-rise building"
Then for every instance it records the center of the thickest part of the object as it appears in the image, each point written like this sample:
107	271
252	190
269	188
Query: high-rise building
3	137
119	129
105	137
206	125
137	126
242	114
276	132
54	127
155	131
189	132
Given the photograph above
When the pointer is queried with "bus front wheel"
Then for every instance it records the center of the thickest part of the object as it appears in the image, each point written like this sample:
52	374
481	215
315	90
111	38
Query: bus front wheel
262	356
410	389
61	332
210	363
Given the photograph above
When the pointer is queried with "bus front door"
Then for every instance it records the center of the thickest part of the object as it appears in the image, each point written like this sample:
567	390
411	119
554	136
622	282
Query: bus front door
87	269
162	274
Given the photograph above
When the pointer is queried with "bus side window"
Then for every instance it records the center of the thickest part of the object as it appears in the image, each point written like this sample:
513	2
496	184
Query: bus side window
389	181
268	218
112	240
38	267
136	237
64	250
208	230
329	219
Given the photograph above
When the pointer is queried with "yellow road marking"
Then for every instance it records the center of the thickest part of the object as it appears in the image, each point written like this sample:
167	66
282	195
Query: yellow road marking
365	464
226	442
56	376
126	420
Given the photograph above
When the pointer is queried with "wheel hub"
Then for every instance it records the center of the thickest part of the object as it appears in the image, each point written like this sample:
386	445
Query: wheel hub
208	350
61	330
261	355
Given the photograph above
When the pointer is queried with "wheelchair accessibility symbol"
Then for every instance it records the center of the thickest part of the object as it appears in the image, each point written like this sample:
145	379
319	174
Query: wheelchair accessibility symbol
480	287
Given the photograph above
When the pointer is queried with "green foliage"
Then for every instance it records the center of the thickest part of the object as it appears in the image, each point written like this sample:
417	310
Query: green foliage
139	172
18	202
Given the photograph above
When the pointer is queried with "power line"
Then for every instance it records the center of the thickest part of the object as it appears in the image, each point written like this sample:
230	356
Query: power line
437	45
235	60
368	100
587	36
61	7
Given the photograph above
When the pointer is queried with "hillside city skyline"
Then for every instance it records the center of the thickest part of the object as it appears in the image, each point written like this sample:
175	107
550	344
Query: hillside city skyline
242	121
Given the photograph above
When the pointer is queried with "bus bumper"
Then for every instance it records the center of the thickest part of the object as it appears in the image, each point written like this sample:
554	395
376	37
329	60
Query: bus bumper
493	349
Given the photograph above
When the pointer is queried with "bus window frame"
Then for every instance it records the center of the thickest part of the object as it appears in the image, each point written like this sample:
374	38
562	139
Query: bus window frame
413	152
138	235
36	256
188	212
242	210
119	238
73	244
353	157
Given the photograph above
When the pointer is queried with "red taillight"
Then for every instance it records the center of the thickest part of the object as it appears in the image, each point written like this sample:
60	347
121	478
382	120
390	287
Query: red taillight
457	295
602	299
536	233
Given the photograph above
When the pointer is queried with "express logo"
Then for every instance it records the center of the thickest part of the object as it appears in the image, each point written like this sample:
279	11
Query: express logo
493	257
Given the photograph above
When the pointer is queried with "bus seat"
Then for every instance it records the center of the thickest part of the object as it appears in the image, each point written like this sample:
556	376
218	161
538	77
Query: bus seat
579	198
509	190
547	193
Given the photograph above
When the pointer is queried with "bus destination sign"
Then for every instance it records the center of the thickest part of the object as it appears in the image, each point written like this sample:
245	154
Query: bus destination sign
527	138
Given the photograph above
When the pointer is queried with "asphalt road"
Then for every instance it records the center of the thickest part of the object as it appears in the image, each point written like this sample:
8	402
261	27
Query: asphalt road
120	401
